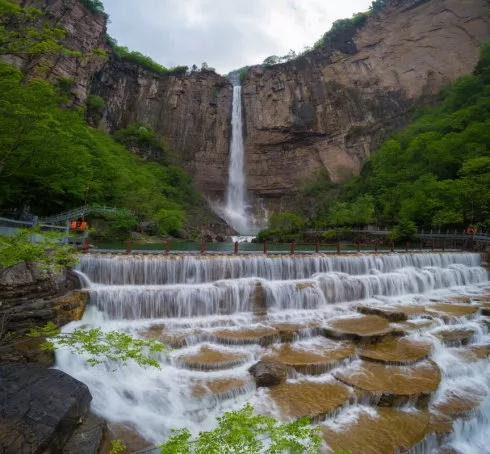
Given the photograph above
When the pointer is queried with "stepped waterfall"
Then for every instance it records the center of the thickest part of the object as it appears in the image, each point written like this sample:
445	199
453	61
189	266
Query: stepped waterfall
387	353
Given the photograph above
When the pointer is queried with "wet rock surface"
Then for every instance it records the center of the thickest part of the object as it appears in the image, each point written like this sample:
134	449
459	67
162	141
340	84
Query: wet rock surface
315	400
380	431
30	298
393	385
314	359
212	359
396	351
269	373
365	329
39	408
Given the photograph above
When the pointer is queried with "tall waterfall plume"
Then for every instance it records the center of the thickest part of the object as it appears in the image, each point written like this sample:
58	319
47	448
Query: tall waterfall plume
235	210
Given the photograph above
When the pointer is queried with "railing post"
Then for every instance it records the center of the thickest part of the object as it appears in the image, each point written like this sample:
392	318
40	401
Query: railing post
266	247
235	250
167	247
203	247
407	245
444	245
420	246
317	248
392	246
432	246
293	248
376	245
338	247
129	246
358	246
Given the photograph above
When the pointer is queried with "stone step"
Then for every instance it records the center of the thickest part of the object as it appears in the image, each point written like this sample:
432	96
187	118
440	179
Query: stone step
312	399
448	311
454	336
221	388
376	431
404	351
392	385
242	336
363	329
317	357
460	402
209	358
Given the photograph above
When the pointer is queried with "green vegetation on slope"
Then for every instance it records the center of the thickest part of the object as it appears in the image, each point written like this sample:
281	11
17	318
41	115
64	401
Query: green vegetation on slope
436	172
52	161
433	174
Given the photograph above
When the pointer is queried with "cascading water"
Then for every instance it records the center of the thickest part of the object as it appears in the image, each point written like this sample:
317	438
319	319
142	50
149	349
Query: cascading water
235	210
222	314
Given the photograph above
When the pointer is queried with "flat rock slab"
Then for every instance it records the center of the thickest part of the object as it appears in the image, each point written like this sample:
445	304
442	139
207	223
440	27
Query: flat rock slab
262	336
288	332
402	351
460	402
411	326
315	358
453	310
208	358
315	400
390	313
365	329
379	431
39	408
454	337
222	388
392	385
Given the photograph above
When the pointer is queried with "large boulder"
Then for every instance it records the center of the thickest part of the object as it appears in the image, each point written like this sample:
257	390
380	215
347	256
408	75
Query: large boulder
269	373
39	408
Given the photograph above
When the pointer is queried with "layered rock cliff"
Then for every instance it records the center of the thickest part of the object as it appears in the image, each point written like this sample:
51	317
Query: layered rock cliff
190	111
329	109
332	108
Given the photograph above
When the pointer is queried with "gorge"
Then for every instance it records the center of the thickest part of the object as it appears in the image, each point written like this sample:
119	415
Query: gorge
326	110
386	352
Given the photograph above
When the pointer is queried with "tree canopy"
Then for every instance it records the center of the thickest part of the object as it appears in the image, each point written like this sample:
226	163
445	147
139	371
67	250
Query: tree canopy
52	161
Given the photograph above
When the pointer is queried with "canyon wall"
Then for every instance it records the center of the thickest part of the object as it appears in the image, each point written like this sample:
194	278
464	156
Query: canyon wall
332	108
328	110
190	111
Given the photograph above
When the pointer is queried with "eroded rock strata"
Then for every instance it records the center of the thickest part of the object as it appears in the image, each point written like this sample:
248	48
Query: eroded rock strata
328	110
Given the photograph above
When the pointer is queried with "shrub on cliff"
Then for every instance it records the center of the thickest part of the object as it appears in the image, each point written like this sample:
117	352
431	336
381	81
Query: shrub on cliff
32	245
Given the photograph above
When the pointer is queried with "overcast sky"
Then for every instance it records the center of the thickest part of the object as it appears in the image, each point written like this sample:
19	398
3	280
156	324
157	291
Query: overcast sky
227	34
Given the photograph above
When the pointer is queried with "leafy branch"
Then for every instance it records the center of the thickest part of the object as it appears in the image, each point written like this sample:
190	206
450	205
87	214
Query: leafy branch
32	245
98	346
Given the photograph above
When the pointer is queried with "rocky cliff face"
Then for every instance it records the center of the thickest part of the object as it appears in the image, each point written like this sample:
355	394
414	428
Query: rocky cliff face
190	111
85	33
332	108
327	110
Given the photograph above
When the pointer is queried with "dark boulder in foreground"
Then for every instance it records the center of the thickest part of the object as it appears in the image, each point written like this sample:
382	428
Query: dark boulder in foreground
269	373
39	408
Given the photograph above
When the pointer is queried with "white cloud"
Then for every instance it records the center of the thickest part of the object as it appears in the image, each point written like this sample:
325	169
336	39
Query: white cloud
227	34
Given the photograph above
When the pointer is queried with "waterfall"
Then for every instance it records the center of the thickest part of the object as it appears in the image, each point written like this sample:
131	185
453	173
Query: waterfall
235	210
222	314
